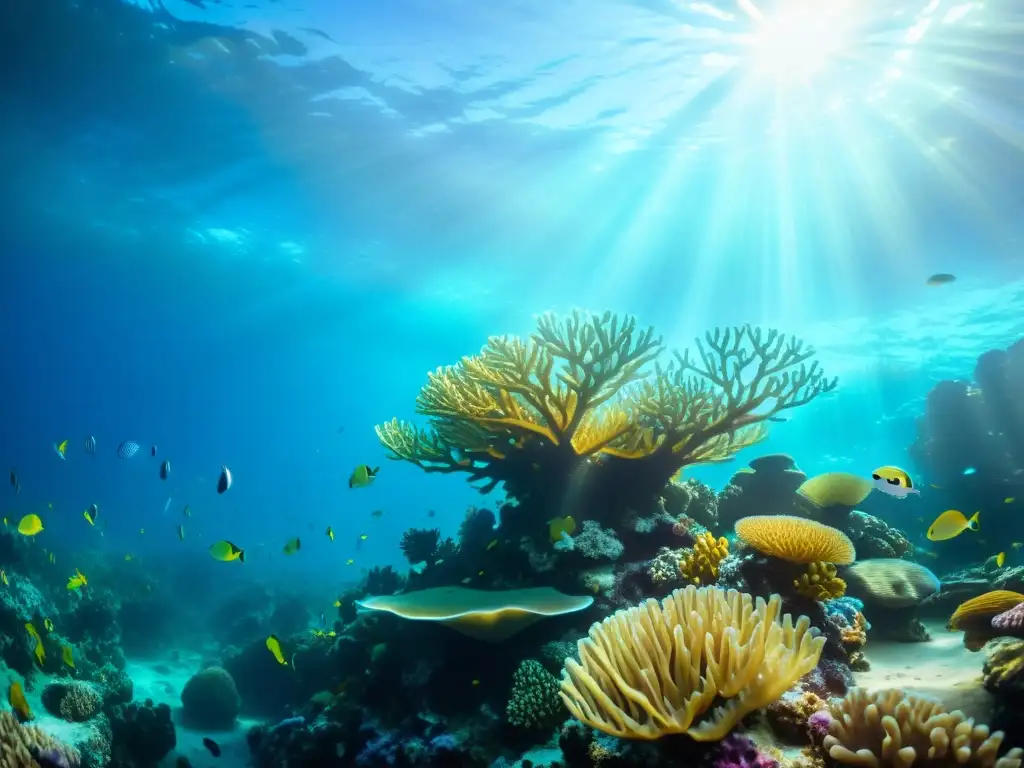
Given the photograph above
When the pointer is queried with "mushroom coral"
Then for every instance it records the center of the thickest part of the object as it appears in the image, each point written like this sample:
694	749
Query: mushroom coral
579	393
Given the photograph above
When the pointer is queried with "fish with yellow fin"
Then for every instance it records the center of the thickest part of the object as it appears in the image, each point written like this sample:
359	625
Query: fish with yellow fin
77	580
68	655
30	525
16	698
951	524
37	650
3	577
274	646
894	482
48	624
292	546
128	557
492	544
61	449
350	561
330	533
1000	560
91	514
362	476
337	603
559	526
227	552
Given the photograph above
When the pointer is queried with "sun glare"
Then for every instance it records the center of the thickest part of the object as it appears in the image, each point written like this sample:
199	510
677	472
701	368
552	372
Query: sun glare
800	39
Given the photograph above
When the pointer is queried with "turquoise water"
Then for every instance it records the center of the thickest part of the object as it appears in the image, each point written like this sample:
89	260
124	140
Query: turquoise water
241	235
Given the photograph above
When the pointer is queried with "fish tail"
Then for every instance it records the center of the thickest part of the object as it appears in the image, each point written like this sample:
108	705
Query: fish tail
241	556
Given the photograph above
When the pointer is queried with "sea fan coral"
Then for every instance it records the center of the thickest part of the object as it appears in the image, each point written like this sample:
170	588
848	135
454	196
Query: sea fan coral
650	671
796	539
892	728
700	565
820	582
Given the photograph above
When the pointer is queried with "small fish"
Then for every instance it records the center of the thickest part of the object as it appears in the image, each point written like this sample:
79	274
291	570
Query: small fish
211	745
492	544
48	624
61	449
224	481
129	557
330	533
30	525
951	524
181	532
431	513
274	646
362	476
377	513
14	479
337	603
363	536
91	513
1000	559
292	546
165	469
167	504
480	573
77	580
226	552
152	451
323	619
52	558
894	482
560	525
940	278
1017	545
3	578
68	655
187	511
476	682
1009	500
127	449
350	561
16	698
968	471
90	445
142	530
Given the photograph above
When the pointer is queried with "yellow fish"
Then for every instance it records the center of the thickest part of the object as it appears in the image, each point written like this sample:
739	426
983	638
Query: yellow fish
226	552
274	646
330	533
480	573
492	545
16	698
68	655
476	683
350	561
30	525
3	577
560	525
1000	559
5	522
91	514
894	482
32	630
363	536
337	603
77	580
951	524
292	546
38	650
1009	500
362	476
48	624
61	449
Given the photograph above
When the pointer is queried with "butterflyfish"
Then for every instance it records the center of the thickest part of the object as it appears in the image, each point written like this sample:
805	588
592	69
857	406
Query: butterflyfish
951	524
362	476
560	525
61	449
1000	559
3	577
16	698
292	546
330	533
274	646
894	482
30	525
68	655
226	552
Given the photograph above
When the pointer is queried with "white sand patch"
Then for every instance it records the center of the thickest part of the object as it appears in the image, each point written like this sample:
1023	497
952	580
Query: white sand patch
941	668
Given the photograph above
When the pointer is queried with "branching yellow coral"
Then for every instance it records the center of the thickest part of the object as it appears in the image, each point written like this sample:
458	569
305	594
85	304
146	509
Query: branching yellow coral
700	565
820	582
653	670
580	387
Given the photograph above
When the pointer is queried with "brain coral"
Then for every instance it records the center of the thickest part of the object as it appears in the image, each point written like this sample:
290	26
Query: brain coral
210	699
653	670
20	745
892	582
795	539
74	701
891	728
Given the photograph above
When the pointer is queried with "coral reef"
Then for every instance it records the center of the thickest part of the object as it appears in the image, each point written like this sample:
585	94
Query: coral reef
820	582
23	746
534	701
977	618
700	565
143	733
643	675
892	728
74	701
210	699
796	539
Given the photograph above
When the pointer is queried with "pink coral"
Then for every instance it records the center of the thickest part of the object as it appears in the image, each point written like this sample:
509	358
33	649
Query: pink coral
737	751
1010	622
818	724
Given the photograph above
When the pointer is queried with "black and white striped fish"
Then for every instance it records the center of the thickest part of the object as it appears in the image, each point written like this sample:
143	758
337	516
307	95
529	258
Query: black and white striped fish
127	449
90	445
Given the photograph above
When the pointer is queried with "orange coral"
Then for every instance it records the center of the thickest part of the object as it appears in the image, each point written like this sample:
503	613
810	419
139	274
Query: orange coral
796	539
700	565
19	743
854	636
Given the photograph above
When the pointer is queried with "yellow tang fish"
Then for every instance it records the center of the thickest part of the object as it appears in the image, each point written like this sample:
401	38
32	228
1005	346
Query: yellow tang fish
337	603
560	525
292	546
330	533
226	552
362	476
30	525
77	580
16	698
48	624
68	655
1000	559
274	646
951	524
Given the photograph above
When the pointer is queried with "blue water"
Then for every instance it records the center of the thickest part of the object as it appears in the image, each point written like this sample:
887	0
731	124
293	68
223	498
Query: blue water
231	229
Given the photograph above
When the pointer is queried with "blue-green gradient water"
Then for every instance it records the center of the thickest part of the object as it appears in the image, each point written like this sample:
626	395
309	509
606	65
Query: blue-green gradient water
244	233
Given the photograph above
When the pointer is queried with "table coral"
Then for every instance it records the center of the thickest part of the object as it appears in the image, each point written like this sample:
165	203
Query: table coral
530	413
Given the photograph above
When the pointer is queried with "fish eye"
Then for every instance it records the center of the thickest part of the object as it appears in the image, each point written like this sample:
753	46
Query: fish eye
893	481
876	476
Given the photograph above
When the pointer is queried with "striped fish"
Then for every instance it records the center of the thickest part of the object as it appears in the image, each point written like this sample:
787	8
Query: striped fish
90	445
127	449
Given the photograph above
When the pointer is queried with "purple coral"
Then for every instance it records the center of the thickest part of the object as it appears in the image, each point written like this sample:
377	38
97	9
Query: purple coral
1010	622
737	751
818	724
